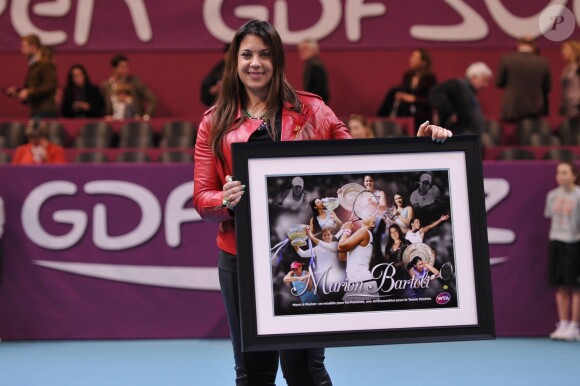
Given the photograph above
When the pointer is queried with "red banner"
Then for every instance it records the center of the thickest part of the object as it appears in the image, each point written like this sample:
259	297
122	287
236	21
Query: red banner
337	24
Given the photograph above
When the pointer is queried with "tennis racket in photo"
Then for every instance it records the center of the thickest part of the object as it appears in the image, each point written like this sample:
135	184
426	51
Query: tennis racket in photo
364	205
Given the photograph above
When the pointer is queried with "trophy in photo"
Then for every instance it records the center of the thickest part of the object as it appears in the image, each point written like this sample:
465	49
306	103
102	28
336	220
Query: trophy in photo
297	235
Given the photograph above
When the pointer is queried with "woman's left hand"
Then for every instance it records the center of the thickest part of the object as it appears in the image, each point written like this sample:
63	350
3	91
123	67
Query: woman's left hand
437	133
233	191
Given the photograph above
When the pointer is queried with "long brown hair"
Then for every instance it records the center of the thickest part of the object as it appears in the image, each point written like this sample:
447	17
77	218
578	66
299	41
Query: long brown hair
233	94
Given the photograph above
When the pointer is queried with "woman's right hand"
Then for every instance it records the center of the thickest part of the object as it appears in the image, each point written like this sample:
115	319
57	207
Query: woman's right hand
233	192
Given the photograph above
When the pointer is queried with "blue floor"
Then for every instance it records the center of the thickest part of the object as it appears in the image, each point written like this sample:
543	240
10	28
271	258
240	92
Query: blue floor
513	361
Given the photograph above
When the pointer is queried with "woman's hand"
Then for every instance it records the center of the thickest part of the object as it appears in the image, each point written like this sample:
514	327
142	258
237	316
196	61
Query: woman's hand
233	192
347	225
437	133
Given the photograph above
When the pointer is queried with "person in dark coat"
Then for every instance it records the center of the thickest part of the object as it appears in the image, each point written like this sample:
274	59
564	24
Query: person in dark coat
456	100
81	99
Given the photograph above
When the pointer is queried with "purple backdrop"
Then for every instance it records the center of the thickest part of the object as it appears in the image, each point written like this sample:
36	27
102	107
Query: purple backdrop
83	260
203	24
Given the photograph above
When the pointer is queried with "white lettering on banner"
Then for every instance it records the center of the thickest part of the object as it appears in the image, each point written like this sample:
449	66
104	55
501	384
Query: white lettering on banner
355	11
175	215
516	26
19	14
473	26
199	278
496	189
30	216
150	214
329	20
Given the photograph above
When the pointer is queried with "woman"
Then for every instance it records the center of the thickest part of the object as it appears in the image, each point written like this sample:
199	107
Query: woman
403	212
257	104
358	247
369	183
396	245
420	270
563	208
360	127
301	282
570	79
81	99
410	99
328	268
417	232
321	217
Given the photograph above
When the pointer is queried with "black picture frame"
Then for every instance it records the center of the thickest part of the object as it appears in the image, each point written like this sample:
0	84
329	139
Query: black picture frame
459	308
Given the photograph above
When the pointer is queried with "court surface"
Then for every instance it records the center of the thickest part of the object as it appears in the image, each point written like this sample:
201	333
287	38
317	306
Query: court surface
505	361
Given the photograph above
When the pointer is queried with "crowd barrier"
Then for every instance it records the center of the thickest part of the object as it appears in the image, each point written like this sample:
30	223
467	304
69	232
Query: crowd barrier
117	251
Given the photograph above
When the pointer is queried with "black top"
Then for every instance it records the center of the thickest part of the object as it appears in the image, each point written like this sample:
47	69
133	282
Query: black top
90	94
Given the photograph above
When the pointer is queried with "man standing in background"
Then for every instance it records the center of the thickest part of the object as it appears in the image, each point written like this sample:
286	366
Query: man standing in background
314	79
525	76
41	82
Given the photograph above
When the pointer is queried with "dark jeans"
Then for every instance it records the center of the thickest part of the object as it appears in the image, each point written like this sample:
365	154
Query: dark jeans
252	368
304	367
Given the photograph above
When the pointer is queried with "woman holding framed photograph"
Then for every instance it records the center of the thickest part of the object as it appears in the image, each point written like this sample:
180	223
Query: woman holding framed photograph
257	104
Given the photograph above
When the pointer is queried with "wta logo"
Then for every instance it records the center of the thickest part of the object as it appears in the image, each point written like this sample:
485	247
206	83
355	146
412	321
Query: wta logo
443	298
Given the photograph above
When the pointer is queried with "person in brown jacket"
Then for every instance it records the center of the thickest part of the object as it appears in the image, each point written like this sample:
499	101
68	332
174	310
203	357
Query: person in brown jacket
525	77
41	82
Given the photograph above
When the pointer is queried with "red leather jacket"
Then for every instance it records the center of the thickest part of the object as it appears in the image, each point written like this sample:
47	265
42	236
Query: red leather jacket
316	122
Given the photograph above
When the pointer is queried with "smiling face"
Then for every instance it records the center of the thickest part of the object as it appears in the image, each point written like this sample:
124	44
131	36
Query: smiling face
255	68
369	183
394	233
399	200
327	236
416	224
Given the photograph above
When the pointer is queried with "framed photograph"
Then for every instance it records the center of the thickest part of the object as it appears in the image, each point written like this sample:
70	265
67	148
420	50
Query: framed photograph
360	242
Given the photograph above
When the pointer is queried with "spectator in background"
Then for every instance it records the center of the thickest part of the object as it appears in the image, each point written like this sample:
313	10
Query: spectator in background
456	100
212	82
144	99
41	81
124	107
360	127
314	78
570	79
563	208
411	97
38	150
81	99
525	76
